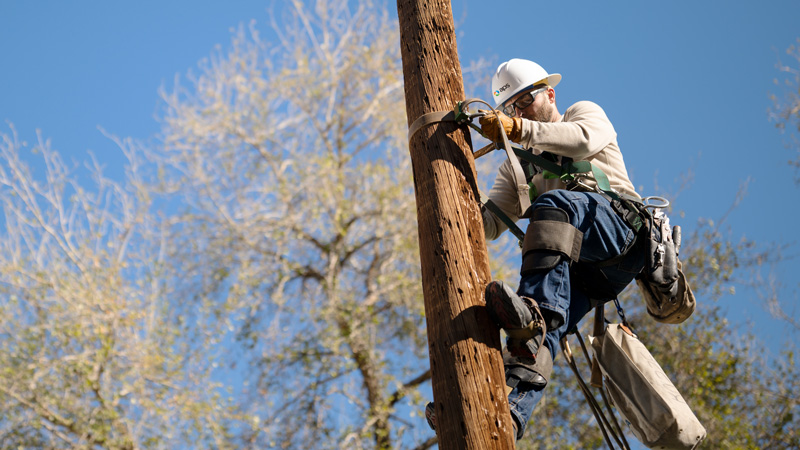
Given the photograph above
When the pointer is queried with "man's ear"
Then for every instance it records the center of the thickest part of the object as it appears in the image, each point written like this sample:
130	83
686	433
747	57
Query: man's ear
551	95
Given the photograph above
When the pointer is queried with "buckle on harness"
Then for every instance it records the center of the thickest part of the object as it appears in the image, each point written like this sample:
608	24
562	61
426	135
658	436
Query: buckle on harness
630	213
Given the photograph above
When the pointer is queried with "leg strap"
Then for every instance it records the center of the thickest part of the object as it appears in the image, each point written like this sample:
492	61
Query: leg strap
533	372
549	238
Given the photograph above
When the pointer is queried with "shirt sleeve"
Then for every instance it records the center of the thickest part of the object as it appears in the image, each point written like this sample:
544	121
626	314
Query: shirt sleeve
504	195
583	131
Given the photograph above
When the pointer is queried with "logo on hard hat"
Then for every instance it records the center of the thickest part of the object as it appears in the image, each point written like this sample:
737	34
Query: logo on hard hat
497	92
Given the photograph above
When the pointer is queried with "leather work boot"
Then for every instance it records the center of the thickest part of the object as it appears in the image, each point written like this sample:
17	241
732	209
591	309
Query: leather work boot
525	358
430	415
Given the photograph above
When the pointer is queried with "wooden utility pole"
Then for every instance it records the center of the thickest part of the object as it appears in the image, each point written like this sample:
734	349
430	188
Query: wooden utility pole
464	346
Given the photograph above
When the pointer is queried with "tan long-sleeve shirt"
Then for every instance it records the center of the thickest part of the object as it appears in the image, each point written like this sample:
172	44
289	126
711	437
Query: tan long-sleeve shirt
583	133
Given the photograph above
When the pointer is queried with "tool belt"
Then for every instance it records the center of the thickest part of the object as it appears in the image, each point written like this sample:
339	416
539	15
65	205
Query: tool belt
666	292
664	287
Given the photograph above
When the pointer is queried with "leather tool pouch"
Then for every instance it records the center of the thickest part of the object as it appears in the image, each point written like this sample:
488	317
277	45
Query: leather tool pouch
666	291
661	264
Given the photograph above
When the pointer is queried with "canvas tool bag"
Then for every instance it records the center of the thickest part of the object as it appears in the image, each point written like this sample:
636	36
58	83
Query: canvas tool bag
643	394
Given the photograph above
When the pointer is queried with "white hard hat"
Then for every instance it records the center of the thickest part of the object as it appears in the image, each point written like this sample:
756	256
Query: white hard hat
517	75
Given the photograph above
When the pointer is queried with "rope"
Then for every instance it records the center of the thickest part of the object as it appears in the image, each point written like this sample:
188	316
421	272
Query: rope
607	427
619	434
593	405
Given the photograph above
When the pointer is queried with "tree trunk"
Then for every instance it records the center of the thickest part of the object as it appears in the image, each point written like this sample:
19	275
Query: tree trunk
464	346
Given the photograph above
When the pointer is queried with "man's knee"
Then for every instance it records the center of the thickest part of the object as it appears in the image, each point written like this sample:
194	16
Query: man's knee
557	198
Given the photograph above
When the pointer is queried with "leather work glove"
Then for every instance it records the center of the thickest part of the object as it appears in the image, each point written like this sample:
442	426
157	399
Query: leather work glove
491	122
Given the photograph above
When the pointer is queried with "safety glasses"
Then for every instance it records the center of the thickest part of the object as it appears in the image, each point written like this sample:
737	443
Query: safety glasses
523	102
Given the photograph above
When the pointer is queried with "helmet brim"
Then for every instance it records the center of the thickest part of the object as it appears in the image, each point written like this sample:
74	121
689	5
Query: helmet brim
552	80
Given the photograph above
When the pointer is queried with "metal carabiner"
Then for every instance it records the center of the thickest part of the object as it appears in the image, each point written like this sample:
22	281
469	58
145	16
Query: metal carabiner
477	114
462	114
663	202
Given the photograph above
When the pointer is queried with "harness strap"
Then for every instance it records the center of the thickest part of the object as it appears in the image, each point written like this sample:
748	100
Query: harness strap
430	119
626	207
567	170
512	227
538	160
460	116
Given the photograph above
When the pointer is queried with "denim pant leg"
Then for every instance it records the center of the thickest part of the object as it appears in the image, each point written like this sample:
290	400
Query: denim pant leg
605	235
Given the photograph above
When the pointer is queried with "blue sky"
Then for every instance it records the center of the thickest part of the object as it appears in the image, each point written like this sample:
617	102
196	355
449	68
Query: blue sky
71	67
686	85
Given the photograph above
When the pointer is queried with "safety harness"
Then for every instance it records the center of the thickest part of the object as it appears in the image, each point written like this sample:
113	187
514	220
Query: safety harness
634	211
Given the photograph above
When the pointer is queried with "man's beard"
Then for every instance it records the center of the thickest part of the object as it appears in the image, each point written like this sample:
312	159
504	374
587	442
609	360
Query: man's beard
544	113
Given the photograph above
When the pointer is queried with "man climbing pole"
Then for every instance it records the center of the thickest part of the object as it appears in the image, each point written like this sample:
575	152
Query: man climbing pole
577	247
590	234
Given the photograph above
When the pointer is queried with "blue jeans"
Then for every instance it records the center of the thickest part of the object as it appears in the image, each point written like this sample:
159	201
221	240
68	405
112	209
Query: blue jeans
605	235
